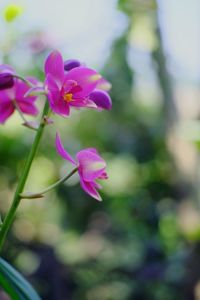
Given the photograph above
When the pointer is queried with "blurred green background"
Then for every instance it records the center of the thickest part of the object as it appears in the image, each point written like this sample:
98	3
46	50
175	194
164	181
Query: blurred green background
142	241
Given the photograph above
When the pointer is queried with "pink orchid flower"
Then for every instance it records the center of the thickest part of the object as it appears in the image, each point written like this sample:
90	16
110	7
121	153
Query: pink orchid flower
72	88
90	167
15	96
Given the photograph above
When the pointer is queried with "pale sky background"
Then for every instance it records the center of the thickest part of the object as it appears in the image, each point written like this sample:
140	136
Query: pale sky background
180	21
85	29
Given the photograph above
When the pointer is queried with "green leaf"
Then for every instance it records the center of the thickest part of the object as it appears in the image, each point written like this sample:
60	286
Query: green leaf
14	284
8	288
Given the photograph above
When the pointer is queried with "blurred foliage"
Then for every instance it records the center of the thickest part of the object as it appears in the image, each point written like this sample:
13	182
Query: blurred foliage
138	242
12	11
132	6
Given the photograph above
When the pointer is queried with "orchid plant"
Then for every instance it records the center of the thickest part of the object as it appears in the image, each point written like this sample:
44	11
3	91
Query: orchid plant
68	85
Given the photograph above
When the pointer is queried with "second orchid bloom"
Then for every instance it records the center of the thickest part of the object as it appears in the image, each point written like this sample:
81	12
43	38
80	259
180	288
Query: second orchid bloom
90	165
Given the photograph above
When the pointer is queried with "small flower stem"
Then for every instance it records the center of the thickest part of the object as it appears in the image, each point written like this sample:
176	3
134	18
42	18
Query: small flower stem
49	188
19	112
24	80
7	222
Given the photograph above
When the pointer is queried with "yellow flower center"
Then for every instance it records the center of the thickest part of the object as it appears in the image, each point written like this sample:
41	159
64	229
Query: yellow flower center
68	97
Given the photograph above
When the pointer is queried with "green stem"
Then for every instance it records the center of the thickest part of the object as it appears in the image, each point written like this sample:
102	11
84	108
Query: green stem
24	80
49	188
16	200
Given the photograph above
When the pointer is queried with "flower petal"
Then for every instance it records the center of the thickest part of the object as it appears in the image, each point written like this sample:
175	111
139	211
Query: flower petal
61	150
86	78
6	110
94	150
56	102
91	165
50	83
5	96
90	188
59	106
101	99
104	85
7	69
54	65
21	88
28	107
78	103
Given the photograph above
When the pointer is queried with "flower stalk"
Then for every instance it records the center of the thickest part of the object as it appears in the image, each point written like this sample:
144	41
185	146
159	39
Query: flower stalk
24	80
49	188
7	222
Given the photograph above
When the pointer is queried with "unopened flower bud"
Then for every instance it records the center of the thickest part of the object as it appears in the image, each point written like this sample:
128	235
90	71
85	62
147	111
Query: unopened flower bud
71	64
6	81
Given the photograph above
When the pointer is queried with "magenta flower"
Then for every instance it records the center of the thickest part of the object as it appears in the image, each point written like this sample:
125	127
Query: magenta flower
90	167
15	97
72	88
